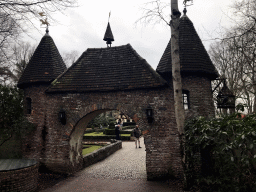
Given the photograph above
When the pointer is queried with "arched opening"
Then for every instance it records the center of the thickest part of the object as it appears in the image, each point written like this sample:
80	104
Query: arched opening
88	126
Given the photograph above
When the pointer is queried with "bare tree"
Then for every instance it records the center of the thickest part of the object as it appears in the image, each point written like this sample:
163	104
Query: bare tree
154	12
8	32
23	11
17	17
69	58
22	53
18	59
235	55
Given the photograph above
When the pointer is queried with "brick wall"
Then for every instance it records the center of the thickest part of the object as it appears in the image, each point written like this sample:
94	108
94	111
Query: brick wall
21	180
200	96
61	148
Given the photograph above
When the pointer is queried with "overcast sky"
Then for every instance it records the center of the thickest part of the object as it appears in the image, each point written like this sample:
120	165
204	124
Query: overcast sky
84	27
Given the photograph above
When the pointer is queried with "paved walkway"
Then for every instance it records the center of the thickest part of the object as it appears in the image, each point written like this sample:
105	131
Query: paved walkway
125	170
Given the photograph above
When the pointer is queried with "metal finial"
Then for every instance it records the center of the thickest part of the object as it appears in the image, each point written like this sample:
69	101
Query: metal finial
109	16
185	11
47	30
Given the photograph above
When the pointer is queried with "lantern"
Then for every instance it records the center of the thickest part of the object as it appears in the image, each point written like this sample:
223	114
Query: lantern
226	98
62	117
149	113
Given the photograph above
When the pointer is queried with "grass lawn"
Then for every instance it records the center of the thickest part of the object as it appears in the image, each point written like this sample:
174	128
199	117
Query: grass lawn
90	149
101	134
94	134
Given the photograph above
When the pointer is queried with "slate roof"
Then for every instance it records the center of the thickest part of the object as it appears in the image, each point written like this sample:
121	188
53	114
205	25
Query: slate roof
45	65
108	35
194	59
108	69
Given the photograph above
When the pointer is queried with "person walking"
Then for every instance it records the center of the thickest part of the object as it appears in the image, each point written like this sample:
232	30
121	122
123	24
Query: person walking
137	134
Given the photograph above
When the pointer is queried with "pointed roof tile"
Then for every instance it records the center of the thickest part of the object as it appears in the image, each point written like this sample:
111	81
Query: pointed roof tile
194	59
45	65
108	69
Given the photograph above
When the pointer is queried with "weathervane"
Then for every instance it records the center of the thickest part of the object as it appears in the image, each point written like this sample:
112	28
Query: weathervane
185	4
186	1
44	21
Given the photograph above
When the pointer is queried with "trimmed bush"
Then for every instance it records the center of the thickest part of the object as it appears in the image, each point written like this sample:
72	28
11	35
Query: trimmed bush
129	124
112	132
105	137
128	127
111	125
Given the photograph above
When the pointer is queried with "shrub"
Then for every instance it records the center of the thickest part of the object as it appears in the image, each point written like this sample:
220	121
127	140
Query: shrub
129	124
112	132
12	121
224	150
101	120
111	125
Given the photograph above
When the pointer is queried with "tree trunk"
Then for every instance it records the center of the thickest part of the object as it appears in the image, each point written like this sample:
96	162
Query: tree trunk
176	77
254	86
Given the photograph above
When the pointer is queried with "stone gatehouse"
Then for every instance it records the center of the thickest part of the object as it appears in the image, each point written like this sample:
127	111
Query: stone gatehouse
61	101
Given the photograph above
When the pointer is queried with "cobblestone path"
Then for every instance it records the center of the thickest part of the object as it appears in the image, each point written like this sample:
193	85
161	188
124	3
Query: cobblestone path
126	163
125	170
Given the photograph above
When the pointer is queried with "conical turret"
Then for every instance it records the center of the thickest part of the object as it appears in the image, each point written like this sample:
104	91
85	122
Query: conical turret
194	59
45	65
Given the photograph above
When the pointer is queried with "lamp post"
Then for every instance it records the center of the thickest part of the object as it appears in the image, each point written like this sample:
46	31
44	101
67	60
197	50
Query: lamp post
226	99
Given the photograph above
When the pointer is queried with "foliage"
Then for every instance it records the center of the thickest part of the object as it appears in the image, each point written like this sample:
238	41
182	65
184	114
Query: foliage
111	125
224	150
112	132
131	124
102	134
101	120
12	121
96	136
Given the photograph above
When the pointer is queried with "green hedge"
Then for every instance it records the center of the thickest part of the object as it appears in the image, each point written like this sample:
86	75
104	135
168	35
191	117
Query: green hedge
129	124
105	137
112	132
128	127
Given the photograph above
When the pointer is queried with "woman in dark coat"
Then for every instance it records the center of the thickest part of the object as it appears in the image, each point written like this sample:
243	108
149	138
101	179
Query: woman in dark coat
117	132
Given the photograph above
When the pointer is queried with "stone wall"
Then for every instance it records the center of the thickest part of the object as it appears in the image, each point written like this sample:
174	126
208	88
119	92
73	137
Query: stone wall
21	180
